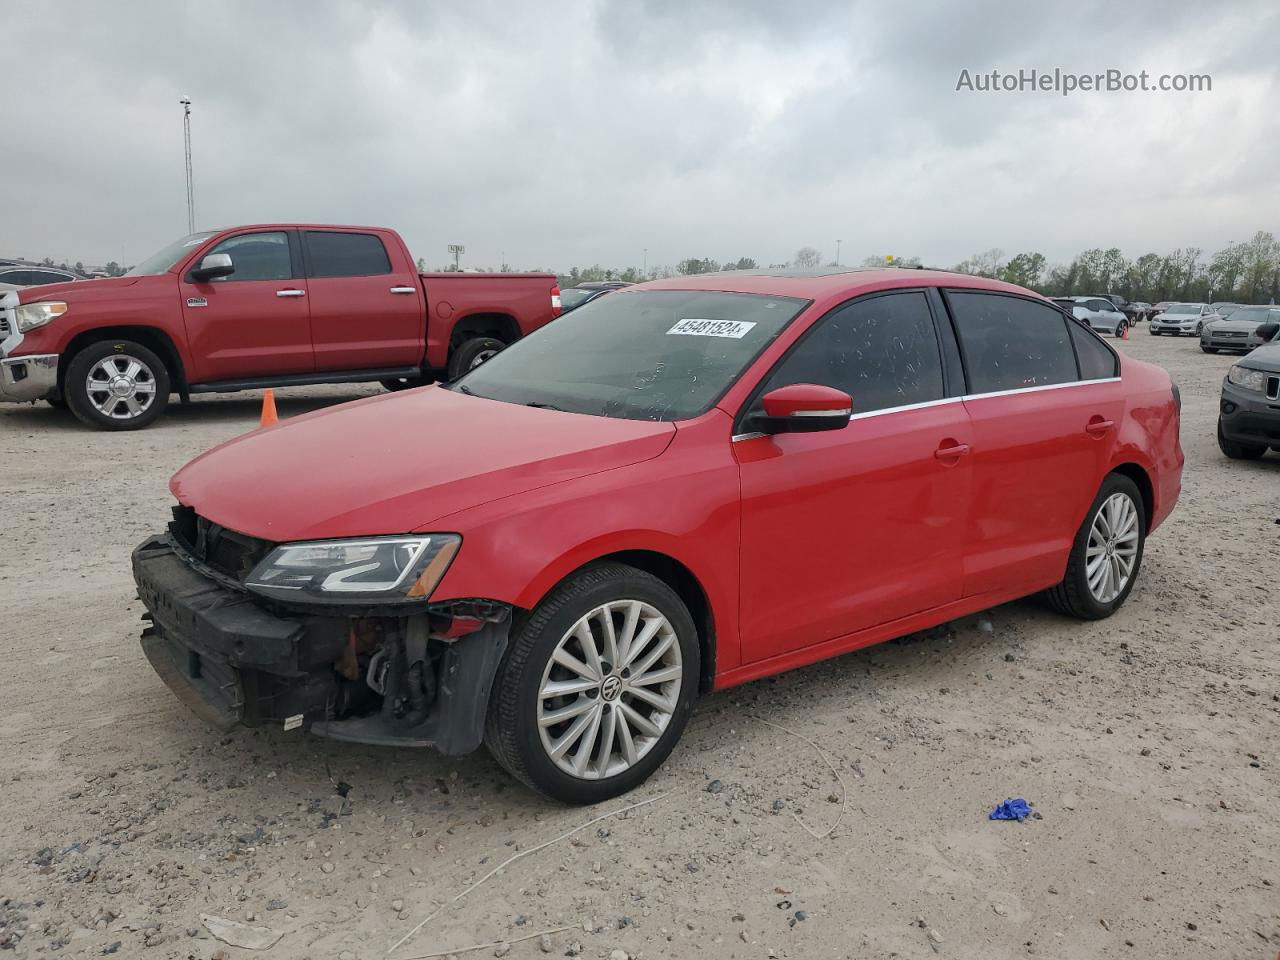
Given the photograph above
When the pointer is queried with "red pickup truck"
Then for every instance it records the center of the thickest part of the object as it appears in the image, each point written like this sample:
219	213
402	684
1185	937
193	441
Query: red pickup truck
248	307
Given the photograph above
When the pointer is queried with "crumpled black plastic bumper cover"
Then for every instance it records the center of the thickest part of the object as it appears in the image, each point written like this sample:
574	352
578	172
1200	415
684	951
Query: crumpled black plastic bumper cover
232	661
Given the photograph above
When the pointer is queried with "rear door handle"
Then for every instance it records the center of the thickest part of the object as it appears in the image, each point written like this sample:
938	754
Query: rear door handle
291	293
404	289
1098	427
951	450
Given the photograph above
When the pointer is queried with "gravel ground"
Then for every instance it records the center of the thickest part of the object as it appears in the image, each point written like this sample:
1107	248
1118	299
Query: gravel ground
1147	743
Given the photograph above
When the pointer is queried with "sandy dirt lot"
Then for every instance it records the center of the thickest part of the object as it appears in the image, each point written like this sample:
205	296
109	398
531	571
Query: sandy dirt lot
1148	744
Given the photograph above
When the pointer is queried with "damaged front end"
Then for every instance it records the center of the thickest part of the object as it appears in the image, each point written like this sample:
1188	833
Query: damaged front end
409	673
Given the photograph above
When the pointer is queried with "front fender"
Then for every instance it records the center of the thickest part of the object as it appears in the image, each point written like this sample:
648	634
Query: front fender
683	504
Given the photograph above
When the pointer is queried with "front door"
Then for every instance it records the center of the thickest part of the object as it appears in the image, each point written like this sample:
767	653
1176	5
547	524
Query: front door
852	528
254	323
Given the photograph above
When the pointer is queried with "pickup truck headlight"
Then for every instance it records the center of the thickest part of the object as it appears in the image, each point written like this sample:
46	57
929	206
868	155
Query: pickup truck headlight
368	570
32	315
1247	378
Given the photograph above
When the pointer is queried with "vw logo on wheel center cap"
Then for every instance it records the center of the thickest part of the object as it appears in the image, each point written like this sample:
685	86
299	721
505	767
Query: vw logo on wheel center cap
611	687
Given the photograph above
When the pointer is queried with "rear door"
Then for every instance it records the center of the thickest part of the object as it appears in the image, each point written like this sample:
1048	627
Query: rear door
1044	424
367	312
255	322
851	528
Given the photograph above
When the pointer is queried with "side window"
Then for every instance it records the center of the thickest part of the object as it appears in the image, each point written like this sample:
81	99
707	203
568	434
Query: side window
10	276
1009	343
1097	362
256	256
46	276
346	254
883	352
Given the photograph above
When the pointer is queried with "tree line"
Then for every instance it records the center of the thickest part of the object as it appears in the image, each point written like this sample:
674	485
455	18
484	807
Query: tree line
1245	272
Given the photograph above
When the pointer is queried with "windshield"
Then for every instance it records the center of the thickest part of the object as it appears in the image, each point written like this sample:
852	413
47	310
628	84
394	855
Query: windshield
161	262
1184	308
573	296
648	355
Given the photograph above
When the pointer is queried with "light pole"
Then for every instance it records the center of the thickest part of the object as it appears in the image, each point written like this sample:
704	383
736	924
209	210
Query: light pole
186	142
837	253
644	272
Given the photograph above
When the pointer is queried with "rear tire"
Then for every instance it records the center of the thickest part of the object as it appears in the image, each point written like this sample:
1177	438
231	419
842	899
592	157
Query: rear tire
472	353
1236	450
548	650
1097	546
116	385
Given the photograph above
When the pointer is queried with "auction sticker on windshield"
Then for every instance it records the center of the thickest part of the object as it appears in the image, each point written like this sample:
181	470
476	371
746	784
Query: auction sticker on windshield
696	327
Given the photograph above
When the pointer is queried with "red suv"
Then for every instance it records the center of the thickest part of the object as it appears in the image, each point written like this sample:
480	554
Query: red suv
683	486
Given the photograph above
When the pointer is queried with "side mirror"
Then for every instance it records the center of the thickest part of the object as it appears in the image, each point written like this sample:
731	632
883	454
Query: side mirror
803	408
213	266
1268	331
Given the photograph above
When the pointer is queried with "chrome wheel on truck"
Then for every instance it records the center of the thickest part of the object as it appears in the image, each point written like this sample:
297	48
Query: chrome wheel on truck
596	685
116	385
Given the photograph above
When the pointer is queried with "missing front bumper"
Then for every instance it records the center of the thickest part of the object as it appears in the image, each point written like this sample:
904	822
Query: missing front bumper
234	662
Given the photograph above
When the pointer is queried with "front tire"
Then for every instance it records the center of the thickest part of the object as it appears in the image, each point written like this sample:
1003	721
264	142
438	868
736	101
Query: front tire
1208	349
1106	554
1236	450
116	385
596	686
472	353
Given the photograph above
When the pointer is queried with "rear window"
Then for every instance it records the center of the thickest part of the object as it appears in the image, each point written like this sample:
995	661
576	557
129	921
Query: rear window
1097	362
332	254
1011	344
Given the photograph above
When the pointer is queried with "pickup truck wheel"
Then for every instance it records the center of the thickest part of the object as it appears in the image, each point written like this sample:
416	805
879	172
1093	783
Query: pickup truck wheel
1106	554
471	354
596	686
1236	450
116	385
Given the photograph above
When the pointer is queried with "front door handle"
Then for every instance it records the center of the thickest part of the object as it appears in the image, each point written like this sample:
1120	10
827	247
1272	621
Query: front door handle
1098	426
291	293
951	450
404	289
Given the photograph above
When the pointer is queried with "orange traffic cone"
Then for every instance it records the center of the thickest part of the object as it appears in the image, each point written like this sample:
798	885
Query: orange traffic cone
269	417
1124	333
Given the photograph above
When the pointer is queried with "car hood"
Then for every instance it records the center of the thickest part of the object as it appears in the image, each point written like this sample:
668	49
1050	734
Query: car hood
1265	357
79	290
1240	326
396	463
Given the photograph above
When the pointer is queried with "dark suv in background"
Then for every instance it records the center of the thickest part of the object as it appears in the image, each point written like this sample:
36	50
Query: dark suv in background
1249	421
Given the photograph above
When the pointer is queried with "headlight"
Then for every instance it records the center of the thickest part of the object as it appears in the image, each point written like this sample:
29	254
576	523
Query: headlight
370	570
32	315
1247	378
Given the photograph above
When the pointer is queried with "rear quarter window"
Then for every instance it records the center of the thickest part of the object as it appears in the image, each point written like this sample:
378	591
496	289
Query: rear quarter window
1009	343
1097	362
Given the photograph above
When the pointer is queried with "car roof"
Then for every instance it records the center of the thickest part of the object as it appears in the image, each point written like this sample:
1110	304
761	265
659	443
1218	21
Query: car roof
825	284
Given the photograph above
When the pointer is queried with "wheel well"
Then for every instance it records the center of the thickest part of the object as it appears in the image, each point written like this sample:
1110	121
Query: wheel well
681	579
500	326
157	341
1143	482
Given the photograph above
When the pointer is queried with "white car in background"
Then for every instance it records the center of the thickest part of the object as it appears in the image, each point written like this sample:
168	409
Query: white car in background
1101	314
1182	320
16	276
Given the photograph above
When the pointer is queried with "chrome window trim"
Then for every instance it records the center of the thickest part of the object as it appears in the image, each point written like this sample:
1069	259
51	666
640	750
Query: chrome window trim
738	437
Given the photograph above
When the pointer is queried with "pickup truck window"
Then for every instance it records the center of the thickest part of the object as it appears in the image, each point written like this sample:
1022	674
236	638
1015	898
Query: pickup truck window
166	259
648	355
334	254
256	256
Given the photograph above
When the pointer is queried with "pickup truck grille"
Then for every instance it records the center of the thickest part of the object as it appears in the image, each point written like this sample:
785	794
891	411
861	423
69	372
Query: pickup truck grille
224	551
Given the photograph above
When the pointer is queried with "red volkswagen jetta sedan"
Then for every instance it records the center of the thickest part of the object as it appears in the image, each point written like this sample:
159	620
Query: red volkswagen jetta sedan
683	486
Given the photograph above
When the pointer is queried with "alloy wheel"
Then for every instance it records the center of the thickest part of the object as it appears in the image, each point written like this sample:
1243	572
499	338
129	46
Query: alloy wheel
1112	548
610	689
121	386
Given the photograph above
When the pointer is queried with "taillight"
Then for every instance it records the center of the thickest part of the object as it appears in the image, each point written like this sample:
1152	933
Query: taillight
555	300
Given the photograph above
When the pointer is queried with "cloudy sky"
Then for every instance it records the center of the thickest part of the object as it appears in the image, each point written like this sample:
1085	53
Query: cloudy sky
587	132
